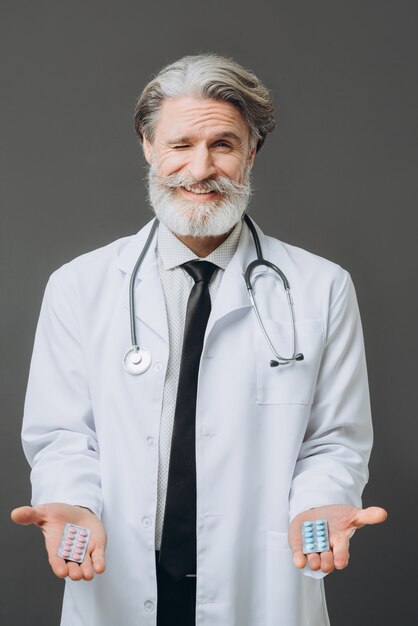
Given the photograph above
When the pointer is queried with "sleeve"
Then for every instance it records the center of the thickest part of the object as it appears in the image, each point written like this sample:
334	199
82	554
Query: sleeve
58	433
332	463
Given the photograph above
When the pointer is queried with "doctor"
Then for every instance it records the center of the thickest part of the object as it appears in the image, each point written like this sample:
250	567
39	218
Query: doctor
263	448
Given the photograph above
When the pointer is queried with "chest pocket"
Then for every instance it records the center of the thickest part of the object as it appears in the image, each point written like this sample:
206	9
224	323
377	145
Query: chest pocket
294	383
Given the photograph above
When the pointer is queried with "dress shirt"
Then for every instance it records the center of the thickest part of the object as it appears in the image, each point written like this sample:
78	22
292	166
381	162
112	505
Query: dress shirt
177	284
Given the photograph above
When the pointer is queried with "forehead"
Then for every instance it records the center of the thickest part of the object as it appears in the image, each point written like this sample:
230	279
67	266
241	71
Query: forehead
192	116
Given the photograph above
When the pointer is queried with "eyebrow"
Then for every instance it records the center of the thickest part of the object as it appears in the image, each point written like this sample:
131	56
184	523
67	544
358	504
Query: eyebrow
227	134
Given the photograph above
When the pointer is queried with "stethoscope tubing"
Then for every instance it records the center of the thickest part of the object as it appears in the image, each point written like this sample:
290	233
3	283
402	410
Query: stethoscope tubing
132	283
281	360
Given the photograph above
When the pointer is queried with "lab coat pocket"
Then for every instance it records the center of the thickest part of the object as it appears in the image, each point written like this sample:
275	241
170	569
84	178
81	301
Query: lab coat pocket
293	383
292	599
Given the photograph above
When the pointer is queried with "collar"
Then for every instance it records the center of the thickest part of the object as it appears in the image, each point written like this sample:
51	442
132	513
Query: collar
129	249
174	252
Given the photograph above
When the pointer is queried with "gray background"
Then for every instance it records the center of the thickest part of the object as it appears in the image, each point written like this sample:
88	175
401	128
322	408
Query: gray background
337	177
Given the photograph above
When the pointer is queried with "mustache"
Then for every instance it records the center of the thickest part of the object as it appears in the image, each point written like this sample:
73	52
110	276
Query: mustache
221	184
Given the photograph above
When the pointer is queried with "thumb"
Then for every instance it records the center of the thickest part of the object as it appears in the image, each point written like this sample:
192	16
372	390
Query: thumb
98	558
26	515
371	515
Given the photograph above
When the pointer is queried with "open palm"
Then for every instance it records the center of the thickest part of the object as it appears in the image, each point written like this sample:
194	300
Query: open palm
51	519
343	521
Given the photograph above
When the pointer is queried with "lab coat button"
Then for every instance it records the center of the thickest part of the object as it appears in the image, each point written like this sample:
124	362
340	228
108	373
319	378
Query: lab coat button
158	367
148	605
150	441
146	521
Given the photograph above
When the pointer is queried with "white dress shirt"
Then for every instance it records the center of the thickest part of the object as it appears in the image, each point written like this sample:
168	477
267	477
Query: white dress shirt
177	284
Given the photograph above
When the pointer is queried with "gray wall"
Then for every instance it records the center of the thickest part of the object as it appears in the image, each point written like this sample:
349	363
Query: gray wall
337	177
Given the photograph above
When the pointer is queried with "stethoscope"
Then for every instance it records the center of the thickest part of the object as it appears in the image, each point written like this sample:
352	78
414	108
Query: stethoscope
137	360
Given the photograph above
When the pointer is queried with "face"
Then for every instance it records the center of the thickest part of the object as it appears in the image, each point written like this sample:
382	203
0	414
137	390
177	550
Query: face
200	162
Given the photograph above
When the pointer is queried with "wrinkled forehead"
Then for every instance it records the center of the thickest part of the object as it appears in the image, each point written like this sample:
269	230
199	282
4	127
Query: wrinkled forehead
197	118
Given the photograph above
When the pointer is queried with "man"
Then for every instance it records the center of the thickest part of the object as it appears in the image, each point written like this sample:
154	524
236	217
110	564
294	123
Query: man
199	471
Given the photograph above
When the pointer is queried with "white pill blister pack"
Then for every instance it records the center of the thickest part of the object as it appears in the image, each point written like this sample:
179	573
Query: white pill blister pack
74	542
315	536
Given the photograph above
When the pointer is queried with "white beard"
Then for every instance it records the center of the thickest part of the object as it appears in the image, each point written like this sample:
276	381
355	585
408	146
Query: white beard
198	219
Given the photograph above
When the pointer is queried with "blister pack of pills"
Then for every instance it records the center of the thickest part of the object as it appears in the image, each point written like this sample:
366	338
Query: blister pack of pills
74	542
315	536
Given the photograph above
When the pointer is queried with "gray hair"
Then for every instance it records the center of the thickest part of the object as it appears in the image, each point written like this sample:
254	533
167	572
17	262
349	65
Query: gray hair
207	76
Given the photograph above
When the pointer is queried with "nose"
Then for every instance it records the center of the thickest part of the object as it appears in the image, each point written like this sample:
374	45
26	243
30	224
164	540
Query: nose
201	165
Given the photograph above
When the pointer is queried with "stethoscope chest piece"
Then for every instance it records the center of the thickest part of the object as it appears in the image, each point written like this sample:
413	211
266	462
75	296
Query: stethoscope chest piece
137	361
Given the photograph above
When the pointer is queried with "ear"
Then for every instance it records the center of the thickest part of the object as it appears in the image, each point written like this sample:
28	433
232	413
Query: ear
251	157
148	150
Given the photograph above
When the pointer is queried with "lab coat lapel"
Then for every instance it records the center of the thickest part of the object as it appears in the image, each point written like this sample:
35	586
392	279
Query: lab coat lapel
232	294
148	293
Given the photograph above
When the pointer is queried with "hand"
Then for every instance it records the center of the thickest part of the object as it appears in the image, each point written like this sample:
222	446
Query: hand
51	519
342	520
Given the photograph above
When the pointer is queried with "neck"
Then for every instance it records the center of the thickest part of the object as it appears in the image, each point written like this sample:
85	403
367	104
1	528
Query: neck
202	246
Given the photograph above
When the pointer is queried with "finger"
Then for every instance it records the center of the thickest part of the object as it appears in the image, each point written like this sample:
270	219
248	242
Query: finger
74	571
58	566
341	553
299	559
327	561
87	568
371	515
295	542
98	560
27	515
314	561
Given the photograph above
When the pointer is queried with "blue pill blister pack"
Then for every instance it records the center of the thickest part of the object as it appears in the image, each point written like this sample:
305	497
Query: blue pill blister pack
315	536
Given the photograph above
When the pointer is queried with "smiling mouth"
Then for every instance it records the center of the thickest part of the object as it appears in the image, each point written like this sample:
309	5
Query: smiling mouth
202	195
197	191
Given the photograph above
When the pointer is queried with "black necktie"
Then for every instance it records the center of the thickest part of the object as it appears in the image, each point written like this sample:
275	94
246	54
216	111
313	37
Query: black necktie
178	542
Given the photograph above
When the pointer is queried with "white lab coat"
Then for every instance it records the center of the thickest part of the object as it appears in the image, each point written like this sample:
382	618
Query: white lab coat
270	442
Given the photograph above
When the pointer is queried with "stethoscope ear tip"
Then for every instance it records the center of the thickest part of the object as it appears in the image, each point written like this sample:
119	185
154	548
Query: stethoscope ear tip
298	357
